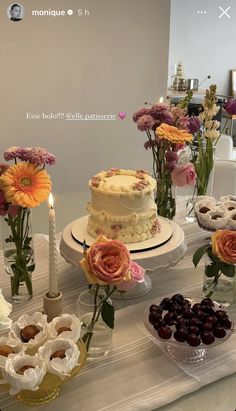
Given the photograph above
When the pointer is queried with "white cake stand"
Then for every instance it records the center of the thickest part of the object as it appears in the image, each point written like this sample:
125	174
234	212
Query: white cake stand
151	259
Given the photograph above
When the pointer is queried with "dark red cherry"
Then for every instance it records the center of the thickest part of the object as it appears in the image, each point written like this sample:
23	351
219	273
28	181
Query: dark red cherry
195	321
207	301
207	326
155	309
221	315
178	298
207	337
159	324
188	313
181	334
170	318
193	330
166	303
227	323
193	340
211	319
196	307
219	332
164	332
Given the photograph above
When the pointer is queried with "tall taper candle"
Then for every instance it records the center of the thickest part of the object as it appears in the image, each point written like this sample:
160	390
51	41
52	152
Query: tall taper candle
53	289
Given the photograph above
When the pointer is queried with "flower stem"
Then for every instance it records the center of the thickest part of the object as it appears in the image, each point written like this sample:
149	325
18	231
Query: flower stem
87	337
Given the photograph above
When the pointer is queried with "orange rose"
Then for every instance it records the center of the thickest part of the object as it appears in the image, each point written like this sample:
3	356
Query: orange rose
172	134
224	245
106	262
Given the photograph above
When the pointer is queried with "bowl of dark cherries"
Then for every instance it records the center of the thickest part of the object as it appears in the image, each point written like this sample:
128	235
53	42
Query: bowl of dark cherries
188	326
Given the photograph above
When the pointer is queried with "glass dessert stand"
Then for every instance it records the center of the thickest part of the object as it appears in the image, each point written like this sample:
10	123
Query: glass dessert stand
182	351
50	386
158	252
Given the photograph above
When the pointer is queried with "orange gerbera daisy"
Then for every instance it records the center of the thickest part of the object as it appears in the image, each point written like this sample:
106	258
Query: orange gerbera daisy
172	134
24	184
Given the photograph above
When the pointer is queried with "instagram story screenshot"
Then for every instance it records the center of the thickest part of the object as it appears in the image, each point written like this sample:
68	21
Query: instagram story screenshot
118	158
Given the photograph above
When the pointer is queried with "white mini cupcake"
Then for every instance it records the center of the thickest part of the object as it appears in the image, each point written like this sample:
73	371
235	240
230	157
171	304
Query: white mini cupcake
24	372
9	348
66	326
60	356
218	219
232	220
229	206
31	330
228	198
202	209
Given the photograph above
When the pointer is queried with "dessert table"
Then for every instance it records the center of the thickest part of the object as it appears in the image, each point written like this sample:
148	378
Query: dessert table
137	375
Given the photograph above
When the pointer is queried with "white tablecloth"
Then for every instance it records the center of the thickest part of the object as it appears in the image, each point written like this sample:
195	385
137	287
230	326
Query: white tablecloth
137	375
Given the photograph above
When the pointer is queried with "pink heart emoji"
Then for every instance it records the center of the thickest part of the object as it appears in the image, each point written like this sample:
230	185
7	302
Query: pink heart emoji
122	115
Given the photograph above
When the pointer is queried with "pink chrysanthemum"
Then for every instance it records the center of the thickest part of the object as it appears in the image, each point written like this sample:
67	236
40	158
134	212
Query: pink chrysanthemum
11	153
37	155
141	112
158	108
145	123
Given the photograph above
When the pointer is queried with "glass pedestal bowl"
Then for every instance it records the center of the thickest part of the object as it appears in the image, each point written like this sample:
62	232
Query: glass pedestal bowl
50	386
182	351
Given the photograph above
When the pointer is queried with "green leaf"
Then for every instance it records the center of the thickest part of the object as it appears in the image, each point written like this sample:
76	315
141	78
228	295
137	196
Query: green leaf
108	314
228	270
211	270
199	254
31	268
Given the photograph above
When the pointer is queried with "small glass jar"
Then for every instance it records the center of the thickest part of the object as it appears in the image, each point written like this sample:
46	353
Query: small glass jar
18	253
101	335
219	287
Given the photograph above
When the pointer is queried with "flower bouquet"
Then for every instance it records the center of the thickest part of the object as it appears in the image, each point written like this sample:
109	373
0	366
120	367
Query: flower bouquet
206	131
219	281
108	268
23	185
167	133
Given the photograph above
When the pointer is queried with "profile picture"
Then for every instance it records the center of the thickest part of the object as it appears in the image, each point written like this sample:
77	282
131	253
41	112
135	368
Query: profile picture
15	12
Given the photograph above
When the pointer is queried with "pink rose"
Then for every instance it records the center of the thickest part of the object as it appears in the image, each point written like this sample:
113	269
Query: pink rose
184	175
106	262
137	276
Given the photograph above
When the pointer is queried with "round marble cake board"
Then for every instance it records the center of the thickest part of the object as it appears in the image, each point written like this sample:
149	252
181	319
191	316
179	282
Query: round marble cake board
165	255
79	233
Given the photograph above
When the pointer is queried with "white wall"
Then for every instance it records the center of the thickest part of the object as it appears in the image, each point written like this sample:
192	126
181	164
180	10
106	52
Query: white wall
204	43
112	60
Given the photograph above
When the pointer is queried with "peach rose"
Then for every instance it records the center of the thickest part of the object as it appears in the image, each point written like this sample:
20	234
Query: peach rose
224	245
106	262
137	276
184	175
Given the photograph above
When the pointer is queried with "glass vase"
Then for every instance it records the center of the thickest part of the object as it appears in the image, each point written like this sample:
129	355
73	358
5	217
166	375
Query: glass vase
203	186
18	253
219	287
165	198
101	335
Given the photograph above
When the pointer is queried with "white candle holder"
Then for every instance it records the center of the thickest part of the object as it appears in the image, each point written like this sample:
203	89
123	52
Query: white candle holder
52	306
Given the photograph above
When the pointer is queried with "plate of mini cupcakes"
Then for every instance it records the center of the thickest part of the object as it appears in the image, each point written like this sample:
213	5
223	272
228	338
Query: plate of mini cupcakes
212	214
37	357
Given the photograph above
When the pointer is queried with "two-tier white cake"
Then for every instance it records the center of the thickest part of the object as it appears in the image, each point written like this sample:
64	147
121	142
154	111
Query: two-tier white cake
122	205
